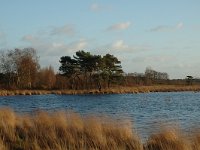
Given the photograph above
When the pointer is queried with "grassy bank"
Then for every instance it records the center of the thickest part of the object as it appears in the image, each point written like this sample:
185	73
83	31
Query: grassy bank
69	131
116	90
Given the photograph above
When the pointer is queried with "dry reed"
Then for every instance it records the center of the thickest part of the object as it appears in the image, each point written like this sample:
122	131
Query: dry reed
70	131
61	131
116	90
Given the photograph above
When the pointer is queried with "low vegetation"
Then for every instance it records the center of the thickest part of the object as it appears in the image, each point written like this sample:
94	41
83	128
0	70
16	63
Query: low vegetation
67	130
115	90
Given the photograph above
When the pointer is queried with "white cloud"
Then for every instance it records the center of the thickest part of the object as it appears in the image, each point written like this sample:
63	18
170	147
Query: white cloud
119	26
162	28
121	47
67	30
95	7
51	51
69	48
80	44
179	25
51	48
30	38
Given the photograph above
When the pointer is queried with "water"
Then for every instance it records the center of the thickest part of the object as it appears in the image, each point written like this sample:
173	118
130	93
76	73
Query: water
144	110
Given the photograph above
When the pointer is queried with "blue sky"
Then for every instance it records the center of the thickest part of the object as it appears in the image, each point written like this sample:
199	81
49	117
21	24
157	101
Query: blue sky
164	35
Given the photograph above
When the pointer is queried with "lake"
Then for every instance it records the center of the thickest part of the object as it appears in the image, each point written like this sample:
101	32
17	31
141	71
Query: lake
145	110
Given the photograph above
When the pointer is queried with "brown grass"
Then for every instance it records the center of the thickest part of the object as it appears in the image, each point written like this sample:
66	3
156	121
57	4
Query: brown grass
70	131
116	90
61	131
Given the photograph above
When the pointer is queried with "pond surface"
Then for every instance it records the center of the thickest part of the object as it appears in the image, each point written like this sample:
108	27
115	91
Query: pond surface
144	110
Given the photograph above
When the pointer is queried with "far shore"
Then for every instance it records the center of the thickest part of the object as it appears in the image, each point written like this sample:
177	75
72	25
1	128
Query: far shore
114	90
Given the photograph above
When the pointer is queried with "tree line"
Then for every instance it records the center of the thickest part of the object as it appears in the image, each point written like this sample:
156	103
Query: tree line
20	69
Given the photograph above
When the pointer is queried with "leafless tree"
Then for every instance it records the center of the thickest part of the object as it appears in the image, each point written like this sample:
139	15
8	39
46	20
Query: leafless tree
46	78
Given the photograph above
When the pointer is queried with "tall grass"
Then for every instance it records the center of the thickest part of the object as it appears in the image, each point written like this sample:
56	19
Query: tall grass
70	131
61	131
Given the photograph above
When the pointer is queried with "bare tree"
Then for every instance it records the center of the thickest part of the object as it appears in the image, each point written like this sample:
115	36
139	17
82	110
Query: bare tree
21	66
27	67
46	78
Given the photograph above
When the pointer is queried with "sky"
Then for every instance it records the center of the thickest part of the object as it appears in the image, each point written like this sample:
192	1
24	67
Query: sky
161	34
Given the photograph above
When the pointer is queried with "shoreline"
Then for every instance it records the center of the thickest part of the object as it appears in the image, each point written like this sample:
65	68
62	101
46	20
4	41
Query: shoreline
115	90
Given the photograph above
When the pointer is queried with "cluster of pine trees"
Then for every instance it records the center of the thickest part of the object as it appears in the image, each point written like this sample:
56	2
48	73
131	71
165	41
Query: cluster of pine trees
92	71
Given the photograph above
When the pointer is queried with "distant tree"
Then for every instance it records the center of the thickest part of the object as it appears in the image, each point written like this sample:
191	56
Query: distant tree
46	78
62	82
89	65
7	68
84	59
189	80
152	74
92	68
149	73
20	66
27	67
69	68
111	69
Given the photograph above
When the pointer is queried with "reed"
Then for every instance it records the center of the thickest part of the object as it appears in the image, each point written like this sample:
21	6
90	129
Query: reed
70	131
168	140
115	90
62	130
